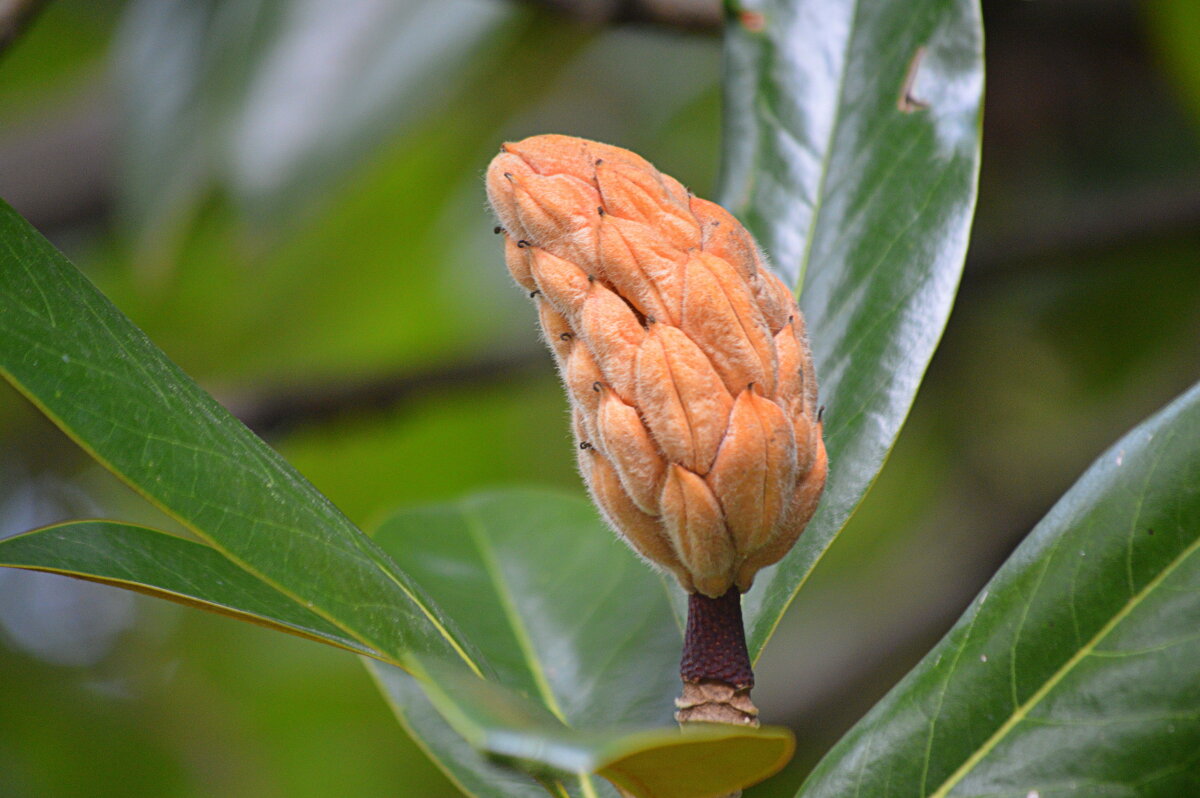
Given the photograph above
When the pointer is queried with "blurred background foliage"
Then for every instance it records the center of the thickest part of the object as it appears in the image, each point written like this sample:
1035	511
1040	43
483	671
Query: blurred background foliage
286	195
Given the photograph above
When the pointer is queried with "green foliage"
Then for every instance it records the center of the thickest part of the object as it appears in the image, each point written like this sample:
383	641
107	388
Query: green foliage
863	206
1173	23
522	646
167	567
286	241
98	377
1077	669
562	613
584	663
91	371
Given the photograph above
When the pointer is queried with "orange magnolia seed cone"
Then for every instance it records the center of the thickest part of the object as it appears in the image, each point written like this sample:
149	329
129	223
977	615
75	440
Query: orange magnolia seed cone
684	358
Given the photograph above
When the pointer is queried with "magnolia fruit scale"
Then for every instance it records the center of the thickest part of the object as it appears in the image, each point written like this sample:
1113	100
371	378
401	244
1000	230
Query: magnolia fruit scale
684	358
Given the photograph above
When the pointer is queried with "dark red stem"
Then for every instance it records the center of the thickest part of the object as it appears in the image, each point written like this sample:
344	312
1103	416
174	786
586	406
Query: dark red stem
714	646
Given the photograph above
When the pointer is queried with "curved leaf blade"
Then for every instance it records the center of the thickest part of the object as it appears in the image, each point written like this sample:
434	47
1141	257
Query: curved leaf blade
93	373
557	607
564	614
155	563
680	765
863	193
650	763
488	716
1076	672
473	771
164	566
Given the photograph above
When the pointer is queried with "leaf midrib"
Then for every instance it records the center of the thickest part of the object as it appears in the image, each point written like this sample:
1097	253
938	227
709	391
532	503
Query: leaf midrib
508	607
826	156
1020	713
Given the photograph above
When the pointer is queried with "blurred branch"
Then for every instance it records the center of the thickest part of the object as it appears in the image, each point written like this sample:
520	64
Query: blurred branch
15	17
1090	223
274	413
1116	218
696	15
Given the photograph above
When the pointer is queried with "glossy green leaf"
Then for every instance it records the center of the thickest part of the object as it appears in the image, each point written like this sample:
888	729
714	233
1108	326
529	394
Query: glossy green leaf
1076	672
168	567
656	762
851	151
649	763
93	373
563	613
186	572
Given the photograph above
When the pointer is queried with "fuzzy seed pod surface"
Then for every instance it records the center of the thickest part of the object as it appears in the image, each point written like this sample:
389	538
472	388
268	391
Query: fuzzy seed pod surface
685	359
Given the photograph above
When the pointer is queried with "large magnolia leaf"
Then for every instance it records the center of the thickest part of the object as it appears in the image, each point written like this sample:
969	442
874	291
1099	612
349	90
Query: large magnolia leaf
699	762
161	565
93	373
851	151
564	613
1076	672
193	574
482	716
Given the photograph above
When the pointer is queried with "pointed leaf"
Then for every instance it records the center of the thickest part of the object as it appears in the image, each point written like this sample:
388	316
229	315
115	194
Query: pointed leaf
474	772
1076	672
492	718
89	369
651	763
161	565
563	613
863	193
186	572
